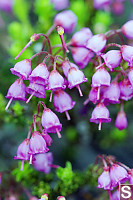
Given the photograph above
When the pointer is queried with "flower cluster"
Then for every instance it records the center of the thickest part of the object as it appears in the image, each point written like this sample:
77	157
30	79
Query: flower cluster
114	173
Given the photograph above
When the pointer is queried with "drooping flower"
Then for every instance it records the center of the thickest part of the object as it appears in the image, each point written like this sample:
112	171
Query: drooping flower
75	78
121	121
126	90
81	37
42	162
55	82
37	144
127	54
6	5
127	29
44	197
97	43
63	102
17	91
92	96
104	180
47	138
67	19
130	75
100	115
35	90
130	173
115	195
22	69
81	56
111	94
102	4
112	59
117	174
66	65
50	122
59	4
23	152
61	198
40	74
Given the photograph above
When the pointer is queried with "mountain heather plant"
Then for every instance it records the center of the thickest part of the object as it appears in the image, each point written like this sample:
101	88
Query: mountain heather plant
54	75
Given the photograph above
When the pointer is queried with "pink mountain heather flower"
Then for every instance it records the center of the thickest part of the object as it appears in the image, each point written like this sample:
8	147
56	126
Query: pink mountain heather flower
66	66
115	195
127	29
130	75
23	152
130	173
17	91
112	59
127	54
63	102
44	197
92	96
111	94
100	115
37	144
104	180
47	138
22	69
50	122
42	162
81	37
59	4
67	19
117	174
6	5
81	56
100	78
118	7
126	90
121	121
35	90
61	198
40	74
100	4
97	43
76	77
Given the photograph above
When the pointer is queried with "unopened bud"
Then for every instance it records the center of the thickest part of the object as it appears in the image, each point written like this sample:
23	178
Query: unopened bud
34	37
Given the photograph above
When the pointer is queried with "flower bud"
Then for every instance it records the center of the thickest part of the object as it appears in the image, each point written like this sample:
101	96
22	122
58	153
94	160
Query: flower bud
121	121
59	4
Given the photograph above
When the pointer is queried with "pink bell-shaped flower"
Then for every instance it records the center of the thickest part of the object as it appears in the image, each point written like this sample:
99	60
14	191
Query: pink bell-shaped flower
100	78
112	59
23	152
81	56
47	138
61	198
17	91
92	96
97	43
50	122
59	4
67	19
6	5
117	174
35	90
63	102
130	75
121	121
66	66
40	74
126	90
55	82
118	7
44	197
75	78
127	54
111	94
42	162
127	29
22	69
100	115
37	145
104	180
81	37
